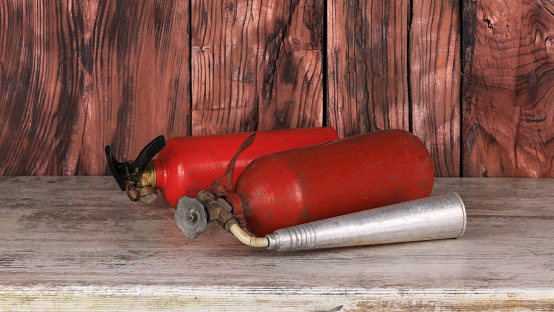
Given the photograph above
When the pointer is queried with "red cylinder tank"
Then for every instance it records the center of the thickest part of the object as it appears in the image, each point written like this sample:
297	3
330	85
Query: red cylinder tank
188	164
335	178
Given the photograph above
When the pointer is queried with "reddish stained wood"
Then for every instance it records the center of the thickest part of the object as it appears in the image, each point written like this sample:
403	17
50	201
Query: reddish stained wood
508	98
435	73
367	66
256	65
297	95
30	130
77	76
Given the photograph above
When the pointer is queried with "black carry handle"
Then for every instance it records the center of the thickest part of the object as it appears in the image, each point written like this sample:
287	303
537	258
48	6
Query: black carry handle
132	170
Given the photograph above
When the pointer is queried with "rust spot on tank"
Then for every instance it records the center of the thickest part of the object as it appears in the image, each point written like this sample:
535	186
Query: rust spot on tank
305	213
246	208
423	184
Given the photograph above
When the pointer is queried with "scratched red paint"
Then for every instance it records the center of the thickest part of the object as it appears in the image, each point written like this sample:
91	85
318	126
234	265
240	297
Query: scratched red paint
330	179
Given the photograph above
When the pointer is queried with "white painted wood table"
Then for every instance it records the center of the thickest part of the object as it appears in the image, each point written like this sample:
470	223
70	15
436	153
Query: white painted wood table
78	243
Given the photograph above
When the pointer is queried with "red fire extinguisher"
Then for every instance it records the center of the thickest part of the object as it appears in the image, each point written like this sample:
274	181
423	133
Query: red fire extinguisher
313	183
186	165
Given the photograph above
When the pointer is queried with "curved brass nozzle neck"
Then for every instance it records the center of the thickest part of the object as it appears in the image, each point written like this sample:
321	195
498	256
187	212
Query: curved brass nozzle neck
147	184
148	177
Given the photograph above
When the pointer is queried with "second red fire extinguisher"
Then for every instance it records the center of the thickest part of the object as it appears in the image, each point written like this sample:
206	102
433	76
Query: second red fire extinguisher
312	183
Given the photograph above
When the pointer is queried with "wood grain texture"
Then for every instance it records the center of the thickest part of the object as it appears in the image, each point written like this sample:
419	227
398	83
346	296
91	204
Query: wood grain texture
367	51
508	88
256	65
78	243
435	81
78	75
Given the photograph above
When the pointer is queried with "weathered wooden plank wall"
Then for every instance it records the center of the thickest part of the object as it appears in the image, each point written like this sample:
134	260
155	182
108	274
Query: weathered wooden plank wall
256	65
396	65
435	66
508	88
77	75
368	66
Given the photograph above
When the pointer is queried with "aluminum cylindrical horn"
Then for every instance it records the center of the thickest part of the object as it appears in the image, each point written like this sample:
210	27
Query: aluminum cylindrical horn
429	218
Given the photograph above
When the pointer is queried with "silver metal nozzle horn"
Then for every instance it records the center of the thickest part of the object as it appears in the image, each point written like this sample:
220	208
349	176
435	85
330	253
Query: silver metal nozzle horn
429	218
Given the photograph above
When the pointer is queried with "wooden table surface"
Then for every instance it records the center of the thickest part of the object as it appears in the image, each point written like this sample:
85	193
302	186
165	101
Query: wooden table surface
78	243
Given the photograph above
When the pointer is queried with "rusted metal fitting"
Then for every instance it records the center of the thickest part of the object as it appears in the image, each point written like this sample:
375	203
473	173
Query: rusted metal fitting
236	202
193	214
132	191
143	190
218	210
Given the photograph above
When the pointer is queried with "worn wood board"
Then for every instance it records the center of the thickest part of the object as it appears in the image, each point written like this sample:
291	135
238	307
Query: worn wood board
78	243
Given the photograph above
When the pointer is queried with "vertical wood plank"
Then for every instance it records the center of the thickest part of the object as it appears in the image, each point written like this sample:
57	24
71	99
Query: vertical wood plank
42	83
367	44
296	85
172	35
435	81
256	65
508	97
141	79
78	75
